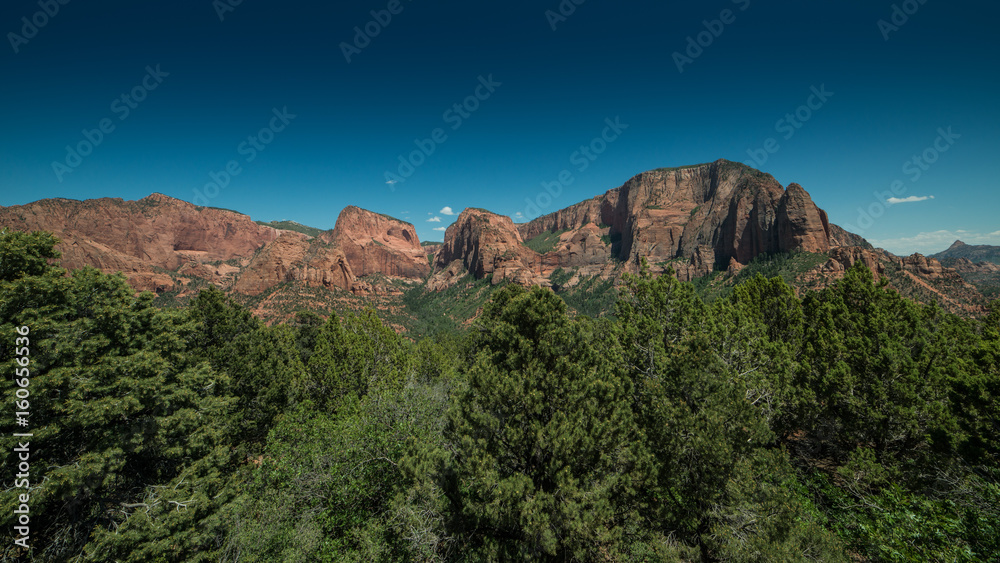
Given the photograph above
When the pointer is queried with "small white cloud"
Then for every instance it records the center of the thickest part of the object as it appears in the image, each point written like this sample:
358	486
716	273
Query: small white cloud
392	182
519	215
434	220
440	228
446	211
911	199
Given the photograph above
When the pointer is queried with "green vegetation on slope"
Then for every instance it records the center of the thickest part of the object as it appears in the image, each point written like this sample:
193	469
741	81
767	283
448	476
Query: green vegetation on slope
433	312
591	296
787	266
291	226
545	242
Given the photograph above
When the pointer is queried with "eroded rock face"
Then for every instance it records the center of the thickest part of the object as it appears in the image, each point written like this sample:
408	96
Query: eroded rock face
723	210
143	238
139	237
373	243
362	243
801	225
294	258
877	260
488	244
842	258
966	266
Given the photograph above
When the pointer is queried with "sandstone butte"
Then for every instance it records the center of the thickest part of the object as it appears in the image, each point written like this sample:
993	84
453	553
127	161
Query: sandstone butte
693	219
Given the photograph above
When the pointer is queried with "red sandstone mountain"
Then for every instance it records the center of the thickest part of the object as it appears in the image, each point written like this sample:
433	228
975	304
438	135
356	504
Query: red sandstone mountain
709	215
159	243
361	244
696	219
375	243
141	238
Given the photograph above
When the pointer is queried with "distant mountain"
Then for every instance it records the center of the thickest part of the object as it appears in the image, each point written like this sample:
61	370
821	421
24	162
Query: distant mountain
715	223
977	264
972	253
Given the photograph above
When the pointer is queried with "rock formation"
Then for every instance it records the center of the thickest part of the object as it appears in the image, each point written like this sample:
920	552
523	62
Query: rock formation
696	219
709	215
487	244
140	238
375	243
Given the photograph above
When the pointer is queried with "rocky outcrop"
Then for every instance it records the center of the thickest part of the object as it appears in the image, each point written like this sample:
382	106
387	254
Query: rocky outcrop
842	258
145	239
140	238
801	225
375	243
966	266
709	214
488	244
361	244
294	259
842	237
693	219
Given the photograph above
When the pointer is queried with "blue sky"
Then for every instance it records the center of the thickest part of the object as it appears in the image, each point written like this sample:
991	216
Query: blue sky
578	97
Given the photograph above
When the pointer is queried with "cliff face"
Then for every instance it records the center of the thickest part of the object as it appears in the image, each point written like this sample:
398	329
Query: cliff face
718	215
710	215
362	243
800	224
485	243
374	243
140	238
697	219
293	258
158	235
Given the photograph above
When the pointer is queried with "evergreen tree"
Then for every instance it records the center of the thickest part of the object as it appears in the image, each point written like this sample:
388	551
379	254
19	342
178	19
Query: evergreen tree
129	431
547	459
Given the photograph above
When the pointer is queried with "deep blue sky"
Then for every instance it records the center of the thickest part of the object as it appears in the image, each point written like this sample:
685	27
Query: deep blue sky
557	87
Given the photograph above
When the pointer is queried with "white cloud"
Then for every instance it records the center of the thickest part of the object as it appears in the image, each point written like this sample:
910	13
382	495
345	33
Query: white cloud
440	228
434	220
518	215
911	199
446	211
934	242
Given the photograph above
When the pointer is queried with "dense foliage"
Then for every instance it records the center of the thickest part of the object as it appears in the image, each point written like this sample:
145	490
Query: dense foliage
848	424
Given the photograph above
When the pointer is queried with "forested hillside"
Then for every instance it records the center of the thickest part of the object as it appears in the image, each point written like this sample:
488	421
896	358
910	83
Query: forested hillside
849	424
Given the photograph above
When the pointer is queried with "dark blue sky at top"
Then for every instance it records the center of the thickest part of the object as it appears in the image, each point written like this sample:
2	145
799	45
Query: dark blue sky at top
556	90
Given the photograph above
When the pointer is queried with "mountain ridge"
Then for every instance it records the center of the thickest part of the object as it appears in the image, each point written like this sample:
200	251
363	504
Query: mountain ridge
694	220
